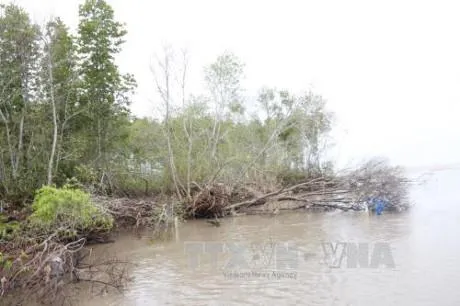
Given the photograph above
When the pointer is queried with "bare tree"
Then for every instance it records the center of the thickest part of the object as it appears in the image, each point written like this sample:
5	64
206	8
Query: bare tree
223	81
187	122
162	71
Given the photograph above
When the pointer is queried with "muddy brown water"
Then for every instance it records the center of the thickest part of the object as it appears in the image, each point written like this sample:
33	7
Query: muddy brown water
424	245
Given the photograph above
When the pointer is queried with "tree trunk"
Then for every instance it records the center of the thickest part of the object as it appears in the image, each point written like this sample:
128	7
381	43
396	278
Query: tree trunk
55	127
8	141
20	146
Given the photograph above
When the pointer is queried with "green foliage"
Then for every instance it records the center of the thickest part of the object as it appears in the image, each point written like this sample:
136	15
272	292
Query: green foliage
73	183
85	174
5	262
19	52
90	100
106	90
207	137
69	208
223	78
8	230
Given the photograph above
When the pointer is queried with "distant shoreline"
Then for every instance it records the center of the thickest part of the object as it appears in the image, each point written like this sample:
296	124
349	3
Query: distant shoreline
434	168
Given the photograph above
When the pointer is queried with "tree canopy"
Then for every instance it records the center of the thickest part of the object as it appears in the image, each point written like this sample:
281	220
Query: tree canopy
64	114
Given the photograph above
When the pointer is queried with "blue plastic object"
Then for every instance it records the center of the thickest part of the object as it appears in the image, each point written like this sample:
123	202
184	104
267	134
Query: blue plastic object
379	205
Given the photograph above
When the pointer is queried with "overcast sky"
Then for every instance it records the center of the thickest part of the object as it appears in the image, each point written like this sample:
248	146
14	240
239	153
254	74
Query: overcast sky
390	70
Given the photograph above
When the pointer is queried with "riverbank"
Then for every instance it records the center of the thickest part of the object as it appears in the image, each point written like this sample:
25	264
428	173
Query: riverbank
43	246
164	276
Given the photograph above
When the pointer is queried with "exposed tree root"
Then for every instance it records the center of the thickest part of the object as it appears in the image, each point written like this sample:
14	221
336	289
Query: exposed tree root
40	271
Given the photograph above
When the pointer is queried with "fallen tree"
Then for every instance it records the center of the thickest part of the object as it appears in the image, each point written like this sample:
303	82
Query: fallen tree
42	266
352	189
349	190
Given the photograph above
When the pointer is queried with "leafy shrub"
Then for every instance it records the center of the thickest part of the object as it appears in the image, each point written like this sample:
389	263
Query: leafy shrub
86	175
73	183
69	208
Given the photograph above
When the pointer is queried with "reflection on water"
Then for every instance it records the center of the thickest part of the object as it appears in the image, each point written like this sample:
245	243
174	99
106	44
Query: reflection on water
424	245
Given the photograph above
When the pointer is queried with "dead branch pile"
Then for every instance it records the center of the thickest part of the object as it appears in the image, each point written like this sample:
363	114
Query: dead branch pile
209	201
159	214
39	271
242	193
129	212
349	190
377	179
